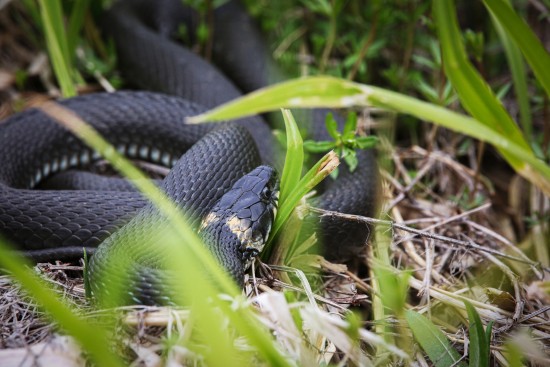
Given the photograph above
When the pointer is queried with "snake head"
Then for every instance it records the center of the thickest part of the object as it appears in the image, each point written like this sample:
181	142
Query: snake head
243	217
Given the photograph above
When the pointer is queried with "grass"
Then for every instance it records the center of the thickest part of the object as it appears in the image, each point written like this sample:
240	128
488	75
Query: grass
338	93
434	268
58	45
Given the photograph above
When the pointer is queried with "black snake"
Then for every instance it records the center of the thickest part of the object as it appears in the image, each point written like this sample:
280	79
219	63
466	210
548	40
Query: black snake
37	152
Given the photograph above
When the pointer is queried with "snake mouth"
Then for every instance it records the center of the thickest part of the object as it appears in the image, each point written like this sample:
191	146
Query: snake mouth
254	241
253	234
245	214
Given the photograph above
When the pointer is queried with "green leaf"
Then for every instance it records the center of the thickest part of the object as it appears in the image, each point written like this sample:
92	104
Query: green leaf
315	175
338	93
202	32
479	345
489	331
388	278
474	93
76	22
87	288
354	325
432	340
319	146
332	126
350	126
474	40
350	157
365	142
297	93
513	354
294	311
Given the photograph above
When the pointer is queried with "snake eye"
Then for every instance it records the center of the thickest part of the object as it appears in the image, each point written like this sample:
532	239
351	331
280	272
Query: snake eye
266	193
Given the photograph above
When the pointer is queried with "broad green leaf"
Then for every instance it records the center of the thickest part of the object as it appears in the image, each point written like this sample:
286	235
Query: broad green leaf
397	282
297	93
350	157
432	340
340	93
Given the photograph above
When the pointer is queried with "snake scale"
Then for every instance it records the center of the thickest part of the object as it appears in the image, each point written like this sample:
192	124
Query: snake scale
216	170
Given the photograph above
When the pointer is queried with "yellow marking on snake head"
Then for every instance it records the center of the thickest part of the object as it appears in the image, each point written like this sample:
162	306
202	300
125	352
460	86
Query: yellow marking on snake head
239	227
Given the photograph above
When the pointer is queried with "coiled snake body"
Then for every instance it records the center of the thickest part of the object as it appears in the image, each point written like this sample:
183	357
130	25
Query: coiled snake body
215	160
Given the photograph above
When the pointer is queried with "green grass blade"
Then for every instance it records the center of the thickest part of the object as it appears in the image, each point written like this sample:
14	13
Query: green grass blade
535	53
517	69
338	93
489	331
432	340
388	278
294	159
301	93
91	337
52	22
55	14
479	345
76	22
474	93
316	174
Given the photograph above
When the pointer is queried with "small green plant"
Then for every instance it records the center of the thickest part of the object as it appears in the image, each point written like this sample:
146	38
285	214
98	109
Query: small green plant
345	143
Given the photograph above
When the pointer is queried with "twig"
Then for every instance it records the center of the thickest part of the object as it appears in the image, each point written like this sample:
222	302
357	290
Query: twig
410	250
433	236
